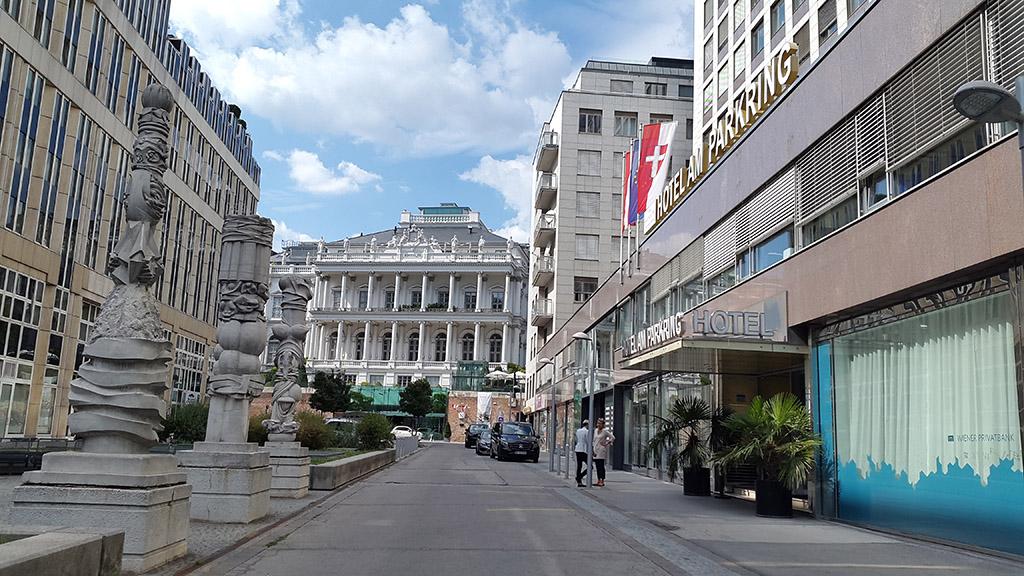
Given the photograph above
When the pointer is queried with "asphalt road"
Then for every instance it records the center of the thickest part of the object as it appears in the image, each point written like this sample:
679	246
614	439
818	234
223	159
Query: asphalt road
445	510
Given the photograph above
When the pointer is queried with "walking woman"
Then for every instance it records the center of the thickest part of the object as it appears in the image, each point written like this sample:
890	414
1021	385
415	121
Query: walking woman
603	439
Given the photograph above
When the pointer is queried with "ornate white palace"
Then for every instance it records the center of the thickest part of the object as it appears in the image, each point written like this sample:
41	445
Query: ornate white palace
413	301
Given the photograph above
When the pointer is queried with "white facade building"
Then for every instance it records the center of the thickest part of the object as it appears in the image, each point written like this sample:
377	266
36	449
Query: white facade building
734	39
411	302
578	189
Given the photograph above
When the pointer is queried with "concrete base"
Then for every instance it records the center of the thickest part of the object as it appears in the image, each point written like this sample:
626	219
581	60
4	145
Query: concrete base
290	464
143	495
230	481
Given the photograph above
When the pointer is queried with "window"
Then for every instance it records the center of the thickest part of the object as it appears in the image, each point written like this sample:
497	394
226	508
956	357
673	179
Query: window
685	91
830	221
588	162
709	53
709	11
689	128
114	73
587	246
655	89
939	158
24	152
797	4
802	39
874	190
588	205
583	287
468	345
440	347
494	348
854	5
275	306
414	347
43	23
616	164
625	124
739	61
622	86
723	34
827	21
336	298
721	282
92	72
771	251
498	299
403	381
724	79
416	298
469	299
442	297
660	118
364	298
693	293
376	379
778	17
617	213
385	346
590	121
757	39
389	298
72	30
361	346
739	13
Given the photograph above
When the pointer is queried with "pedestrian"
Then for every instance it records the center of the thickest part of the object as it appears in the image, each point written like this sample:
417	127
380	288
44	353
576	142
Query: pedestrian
582	451
603	439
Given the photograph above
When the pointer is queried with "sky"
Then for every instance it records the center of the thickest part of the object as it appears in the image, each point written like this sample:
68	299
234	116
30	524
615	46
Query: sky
359	110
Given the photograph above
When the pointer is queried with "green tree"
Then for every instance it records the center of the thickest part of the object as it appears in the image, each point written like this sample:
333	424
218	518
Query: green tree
360	402
374	432
416	398
186	423
332	393
439	403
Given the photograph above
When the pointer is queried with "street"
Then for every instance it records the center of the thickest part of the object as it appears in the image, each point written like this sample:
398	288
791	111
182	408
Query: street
445	510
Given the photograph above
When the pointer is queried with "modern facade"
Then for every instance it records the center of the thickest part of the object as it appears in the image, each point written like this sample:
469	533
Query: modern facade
578	186
436	292
857	243
71	74
734	40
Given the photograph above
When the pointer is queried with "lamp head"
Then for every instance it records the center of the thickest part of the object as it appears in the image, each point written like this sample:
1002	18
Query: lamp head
581	336
988	102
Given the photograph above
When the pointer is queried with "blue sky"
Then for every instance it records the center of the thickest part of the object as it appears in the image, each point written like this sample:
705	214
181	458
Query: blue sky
361	109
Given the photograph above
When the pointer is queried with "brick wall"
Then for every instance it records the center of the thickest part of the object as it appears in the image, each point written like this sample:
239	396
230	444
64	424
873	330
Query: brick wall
465	403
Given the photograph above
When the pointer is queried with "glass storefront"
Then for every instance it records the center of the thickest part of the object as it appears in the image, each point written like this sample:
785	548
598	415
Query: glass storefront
918	405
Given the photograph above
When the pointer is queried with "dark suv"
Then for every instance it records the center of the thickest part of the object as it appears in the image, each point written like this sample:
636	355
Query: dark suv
514	440
473	433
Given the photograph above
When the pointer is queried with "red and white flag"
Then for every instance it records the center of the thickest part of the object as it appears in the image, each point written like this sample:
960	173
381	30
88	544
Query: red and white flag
655	151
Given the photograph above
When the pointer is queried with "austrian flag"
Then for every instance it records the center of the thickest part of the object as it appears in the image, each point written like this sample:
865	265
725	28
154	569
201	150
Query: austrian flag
655	151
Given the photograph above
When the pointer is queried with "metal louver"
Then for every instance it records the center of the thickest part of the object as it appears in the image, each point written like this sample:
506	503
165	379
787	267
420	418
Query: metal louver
870	121
661	282
766	210
1006	18
720	246
918	110
828	169
690	261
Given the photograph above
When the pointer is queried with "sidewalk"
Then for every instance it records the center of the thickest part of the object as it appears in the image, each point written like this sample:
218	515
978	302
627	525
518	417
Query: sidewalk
727	531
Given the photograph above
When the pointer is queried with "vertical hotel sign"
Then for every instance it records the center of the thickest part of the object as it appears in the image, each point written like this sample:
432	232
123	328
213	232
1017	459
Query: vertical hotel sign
744	110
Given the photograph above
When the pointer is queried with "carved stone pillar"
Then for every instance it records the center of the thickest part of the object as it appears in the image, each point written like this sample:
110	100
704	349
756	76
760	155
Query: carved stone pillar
448	344
476	341
451	292
398	292
479	290
370	293
508	293
504	343
423	339
394	342
343	301
423	293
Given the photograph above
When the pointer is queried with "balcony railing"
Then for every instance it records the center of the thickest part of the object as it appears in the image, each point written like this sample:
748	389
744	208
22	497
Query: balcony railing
417	254
547	190
543	269
547	150
544	232
542	311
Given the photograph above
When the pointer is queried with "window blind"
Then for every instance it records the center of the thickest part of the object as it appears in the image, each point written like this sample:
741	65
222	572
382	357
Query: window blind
1006	18
720	246
588	162
588	205
766	210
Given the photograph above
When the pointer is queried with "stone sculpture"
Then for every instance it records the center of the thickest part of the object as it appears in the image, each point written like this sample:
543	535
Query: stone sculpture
291	334
118	397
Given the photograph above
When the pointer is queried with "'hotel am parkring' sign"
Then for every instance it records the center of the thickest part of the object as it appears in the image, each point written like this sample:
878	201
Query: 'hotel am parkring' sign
765	321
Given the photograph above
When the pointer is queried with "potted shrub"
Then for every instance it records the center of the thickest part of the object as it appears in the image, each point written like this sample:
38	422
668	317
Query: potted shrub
776	437
689	419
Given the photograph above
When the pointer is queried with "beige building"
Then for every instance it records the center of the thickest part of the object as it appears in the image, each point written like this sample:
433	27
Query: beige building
70	79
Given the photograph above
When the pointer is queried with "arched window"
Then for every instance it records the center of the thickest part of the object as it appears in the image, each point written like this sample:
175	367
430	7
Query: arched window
361	346
389	298
494	348
385	346
468	345
440	347
414	346
442	297
469	300
498	299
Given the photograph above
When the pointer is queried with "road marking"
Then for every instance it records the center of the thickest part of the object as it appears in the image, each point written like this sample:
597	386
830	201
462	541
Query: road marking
845	565
529	509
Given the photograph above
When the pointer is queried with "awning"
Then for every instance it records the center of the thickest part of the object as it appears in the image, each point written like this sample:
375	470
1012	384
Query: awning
720	356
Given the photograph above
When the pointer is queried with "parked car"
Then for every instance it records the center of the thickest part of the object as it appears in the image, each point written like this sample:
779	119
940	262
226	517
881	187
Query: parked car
405	432
342	424
483	442
514	440
474	432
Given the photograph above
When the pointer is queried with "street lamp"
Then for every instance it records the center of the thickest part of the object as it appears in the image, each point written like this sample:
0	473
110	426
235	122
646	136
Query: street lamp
988	102
591	375
551	417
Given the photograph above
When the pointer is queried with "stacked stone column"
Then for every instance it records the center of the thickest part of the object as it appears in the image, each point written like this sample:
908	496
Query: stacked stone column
230	477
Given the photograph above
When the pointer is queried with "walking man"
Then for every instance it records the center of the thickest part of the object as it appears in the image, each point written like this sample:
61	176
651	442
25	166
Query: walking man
603	439
582	448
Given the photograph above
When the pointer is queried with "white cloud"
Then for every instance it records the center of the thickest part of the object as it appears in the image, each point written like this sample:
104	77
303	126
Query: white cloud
282	233
409	87
514	180
647	28
309	174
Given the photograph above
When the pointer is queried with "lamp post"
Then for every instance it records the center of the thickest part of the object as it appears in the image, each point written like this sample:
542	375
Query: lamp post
551	418
591	374
988	102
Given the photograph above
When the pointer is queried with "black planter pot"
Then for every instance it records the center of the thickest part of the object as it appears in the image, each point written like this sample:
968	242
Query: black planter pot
774	499
697	481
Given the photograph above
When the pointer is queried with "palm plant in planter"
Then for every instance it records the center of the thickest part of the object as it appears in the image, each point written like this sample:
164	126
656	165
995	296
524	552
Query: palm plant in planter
694	420
776	437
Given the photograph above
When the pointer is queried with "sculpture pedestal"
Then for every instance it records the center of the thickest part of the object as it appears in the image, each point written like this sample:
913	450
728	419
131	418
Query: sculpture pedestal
230	481
290	464
144	495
